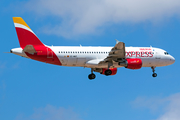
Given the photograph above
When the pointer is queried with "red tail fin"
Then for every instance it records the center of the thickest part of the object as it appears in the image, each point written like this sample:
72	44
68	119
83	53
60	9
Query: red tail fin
25	35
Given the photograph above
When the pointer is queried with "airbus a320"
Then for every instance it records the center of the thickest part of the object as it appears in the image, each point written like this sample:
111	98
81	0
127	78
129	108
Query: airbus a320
104	60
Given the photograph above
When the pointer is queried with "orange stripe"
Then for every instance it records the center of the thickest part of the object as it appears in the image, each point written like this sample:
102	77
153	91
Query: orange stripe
19	20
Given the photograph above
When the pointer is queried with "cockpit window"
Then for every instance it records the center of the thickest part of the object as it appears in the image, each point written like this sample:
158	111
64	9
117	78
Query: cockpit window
166	53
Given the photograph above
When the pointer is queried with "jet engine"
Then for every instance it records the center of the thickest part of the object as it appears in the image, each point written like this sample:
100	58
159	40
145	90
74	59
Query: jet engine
132	63
106	71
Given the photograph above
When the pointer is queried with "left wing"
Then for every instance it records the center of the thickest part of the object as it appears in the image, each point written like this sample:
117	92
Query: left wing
116	54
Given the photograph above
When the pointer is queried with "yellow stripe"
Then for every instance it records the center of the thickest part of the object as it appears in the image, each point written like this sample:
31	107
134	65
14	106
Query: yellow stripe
20	21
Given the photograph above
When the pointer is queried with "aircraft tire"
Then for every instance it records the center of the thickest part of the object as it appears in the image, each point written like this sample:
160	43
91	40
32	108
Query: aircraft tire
92	76
154	74
108	72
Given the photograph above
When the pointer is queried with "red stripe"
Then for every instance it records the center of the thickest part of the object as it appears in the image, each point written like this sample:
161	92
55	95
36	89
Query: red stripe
44	53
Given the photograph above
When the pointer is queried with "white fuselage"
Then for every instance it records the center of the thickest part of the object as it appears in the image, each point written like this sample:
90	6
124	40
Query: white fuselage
91	56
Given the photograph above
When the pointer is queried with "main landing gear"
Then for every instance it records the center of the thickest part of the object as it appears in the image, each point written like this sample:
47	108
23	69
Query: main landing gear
92	75
108	72
154	74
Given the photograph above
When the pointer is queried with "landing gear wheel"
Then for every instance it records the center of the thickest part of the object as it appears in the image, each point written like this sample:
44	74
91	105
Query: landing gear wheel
153	69
92	76
154	75
108	72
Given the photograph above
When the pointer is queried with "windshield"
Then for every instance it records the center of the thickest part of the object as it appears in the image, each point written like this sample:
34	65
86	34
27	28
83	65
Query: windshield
166	53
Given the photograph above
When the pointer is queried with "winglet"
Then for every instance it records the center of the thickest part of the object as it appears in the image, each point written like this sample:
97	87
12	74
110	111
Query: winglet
117	41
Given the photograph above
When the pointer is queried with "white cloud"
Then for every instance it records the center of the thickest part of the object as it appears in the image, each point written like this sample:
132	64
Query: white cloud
51	113
78	17
172	111
169	106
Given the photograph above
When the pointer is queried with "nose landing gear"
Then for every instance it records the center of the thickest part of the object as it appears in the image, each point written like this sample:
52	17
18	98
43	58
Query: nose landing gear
154	74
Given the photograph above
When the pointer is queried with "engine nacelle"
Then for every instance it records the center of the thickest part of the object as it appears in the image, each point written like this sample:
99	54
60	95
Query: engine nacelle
134	63
112	71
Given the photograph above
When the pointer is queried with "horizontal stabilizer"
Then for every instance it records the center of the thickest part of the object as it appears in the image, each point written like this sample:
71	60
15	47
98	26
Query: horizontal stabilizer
30	49
7	52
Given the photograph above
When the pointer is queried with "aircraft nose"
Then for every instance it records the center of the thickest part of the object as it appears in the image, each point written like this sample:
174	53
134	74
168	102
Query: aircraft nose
172	59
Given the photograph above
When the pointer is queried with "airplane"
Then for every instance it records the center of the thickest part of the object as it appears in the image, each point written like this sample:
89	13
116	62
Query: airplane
104	60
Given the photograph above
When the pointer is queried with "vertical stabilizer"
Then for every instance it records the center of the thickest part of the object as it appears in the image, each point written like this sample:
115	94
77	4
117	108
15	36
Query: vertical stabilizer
25	35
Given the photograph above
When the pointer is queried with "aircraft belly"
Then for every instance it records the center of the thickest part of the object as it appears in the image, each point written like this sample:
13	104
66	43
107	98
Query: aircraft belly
81	62
73	61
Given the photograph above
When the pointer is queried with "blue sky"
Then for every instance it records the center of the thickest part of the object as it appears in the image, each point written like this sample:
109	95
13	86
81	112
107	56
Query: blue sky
31	90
